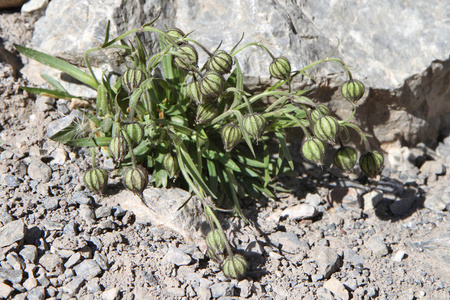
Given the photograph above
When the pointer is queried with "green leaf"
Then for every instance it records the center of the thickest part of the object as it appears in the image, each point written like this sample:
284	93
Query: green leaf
49	93
90	142
283	149
58	64
102	101
53	82
239	117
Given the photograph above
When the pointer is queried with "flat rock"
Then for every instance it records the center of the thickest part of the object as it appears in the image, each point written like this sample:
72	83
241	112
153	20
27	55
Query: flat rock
52	262
177	256
222	289
162	208
327	261
371	199
111	294
38	293
377	246
337	288
12	232
5	290
39	171
73	286
87	269
15	276
300	212
289	242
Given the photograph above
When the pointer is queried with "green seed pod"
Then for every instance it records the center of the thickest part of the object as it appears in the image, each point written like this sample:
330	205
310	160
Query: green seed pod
371	163
353	90
216	246
313	150
193	91
118	148
220	61
345	158
135	179
187	58
234	266
280	68
206	112
132	79
176	34
254	124
135	132
326	128
96	180
231	136
171	165
211	84
320	111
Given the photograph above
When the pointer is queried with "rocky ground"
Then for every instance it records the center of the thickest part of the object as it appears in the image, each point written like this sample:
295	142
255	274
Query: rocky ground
331	238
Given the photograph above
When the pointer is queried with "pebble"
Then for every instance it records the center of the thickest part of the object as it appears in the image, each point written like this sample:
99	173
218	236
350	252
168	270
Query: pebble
15	276
289	241
50	203
15	261
402	206
43	280
371	199
101	260
350	256
39	171
112	294
348	197
300	212
12	232
38	293
432	167
7	154
5	290
73	260
12	181
222	289
245	288
5	217
73	286
86	213
103	211
337	288
93	285
313	199
327	260
52	262
29	253
82	198
377	246
44	103
87	269
31	282
177	256
59	156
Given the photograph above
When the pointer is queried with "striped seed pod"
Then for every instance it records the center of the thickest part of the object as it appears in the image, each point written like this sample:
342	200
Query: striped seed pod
254	124
313	150
96	180
187	57
345	158
220	61
211	85
371	163
206	112
280	68
234	266
326	129
320	111
135	179
353	90
231	136
132	79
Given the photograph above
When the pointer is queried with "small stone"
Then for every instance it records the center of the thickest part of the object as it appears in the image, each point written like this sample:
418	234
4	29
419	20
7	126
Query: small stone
289	241
176	292
11	233
313	199
59	156
73	260
44	103
12	181
348	197
38	293
300	212
53	225
222	289
432	167
102	212
86	213
65	179
73	286
351	284
52	262
399	256
377	246
350	256
402	206
15	276
177	256
111	294
5	290
82	198
43	280
15	261
50	203
29	253
93	285
245	288
5	217
87	269
31	282
101	260
371	199
337	288
327	261
39	171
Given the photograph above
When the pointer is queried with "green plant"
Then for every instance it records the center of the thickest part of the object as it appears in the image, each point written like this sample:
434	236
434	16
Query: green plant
197	127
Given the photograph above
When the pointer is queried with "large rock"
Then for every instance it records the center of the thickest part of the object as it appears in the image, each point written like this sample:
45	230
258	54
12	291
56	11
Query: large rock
399	50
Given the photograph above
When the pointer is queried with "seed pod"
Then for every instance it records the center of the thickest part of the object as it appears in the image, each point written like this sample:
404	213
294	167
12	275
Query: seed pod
206	112
353	90
326	129
132	79
118	148
171	165
96	180
176	34
135	132
211	84
231	136
320	111
234	266
193	91
280	68
313	150
345	158
135	179
187	58
254	124
371	163
220	61
216	246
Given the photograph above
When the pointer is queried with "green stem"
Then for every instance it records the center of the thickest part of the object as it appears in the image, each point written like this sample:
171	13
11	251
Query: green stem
93	157
361	134
305	130
209	212
254	44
